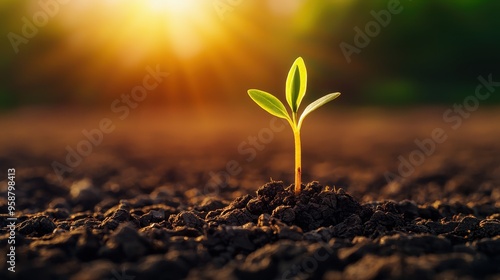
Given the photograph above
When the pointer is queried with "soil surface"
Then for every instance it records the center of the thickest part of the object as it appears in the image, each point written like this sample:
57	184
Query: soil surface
391	195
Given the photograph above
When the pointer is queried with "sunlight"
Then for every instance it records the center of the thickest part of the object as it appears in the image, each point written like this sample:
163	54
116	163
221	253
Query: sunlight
187	36
186	27
174	6
186	21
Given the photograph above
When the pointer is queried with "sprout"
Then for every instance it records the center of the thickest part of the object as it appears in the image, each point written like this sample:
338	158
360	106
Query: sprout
296	84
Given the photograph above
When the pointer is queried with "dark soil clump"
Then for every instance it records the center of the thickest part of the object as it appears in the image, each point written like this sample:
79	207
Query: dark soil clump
323	233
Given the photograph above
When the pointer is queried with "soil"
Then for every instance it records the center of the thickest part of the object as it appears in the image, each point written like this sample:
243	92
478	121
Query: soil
147	203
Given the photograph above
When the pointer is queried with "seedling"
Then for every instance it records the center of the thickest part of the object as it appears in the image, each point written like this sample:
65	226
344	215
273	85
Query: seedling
296	83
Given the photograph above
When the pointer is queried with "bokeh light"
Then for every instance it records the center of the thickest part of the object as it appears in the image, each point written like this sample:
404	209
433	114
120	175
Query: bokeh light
90	52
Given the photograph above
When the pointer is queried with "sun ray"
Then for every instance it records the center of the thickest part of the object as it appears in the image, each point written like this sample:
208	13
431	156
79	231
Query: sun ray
202	52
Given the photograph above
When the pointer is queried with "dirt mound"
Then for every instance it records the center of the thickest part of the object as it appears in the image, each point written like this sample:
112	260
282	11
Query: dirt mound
321	233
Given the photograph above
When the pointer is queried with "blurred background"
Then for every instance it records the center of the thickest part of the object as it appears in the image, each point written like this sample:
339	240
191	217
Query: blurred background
65	66
89	53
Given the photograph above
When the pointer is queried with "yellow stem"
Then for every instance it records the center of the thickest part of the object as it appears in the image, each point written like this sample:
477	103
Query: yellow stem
298	164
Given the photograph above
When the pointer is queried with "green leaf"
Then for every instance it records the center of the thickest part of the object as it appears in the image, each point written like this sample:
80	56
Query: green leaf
296	84
269	103
315	105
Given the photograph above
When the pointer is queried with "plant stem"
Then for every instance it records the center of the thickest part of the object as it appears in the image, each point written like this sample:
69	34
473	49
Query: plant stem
298	164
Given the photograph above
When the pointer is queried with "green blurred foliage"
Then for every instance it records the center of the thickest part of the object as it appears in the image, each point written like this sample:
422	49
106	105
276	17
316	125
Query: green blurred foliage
431	52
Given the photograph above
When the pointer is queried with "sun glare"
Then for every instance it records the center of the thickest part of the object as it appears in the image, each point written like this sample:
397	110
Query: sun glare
189	25
174	6
187	36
